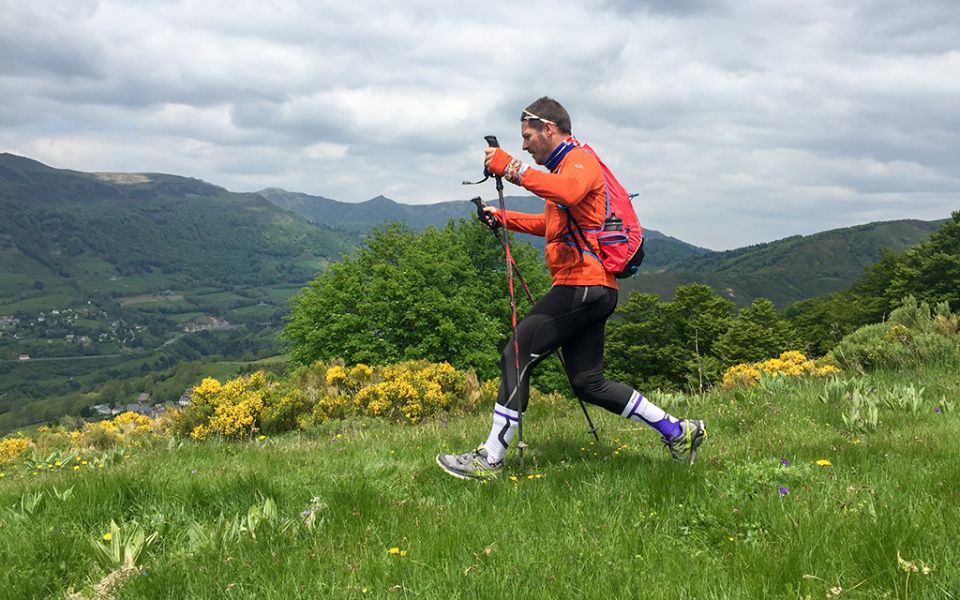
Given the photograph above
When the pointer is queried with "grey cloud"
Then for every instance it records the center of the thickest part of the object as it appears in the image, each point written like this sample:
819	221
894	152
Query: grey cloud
40	41
787	116
891	27
677	8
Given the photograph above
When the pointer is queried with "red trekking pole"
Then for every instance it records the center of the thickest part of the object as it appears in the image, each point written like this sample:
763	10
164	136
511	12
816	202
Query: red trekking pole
492	141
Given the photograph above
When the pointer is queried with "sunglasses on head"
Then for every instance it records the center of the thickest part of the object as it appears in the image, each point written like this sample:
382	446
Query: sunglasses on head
529	116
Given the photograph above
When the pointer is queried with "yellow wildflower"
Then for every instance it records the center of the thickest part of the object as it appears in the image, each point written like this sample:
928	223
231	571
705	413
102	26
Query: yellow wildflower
133	423
789	364
107	536
824	463
337	375
11	447
360	372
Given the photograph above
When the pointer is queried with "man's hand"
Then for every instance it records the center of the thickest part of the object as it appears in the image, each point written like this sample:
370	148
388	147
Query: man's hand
490	217
488	155
500	164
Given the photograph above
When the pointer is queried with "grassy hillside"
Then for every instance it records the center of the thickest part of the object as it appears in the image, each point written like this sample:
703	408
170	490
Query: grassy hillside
790	269
140	232
787	500
107	277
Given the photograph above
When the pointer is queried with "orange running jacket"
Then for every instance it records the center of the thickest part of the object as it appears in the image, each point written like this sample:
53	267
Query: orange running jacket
576	183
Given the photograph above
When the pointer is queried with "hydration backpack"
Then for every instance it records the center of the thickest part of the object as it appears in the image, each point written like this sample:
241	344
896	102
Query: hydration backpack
621	239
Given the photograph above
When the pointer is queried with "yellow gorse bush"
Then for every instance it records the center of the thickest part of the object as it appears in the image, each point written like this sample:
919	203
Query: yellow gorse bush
132	423
234	409
12	447
244	406
128	428
337	375
410	391
789	364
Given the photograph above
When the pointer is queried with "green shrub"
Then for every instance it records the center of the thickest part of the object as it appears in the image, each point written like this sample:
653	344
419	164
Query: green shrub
282	410
911	337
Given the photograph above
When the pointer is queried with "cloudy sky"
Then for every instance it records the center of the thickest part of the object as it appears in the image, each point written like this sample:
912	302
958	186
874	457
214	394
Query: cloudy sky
737	121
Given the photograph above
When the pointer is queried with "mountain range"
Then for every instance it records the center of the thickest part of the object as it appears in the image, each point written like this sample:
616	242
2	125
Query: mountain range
786	270
68	233
360	217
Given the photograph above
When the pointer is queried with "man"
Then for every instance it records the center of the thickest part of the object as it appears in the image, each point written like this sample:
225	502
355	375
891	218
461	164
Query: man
571	317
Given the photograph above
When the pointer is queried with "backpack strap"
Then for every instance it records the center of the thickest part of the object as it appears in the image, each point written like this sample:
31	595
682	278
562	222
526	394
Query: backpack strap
606	187
573	232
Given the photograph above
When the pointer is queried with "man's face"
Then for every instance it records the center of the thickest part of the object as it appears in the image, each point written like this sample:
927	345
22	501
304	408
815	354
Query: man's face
537	143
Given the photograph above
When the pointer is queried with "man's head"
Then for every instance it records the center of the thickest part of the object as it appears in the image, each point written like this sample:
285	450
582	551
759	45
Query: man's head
543	126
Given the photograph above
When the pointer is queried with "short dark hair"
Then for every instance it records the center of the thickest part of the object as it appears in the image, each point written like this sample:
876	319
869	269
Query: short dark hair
546	108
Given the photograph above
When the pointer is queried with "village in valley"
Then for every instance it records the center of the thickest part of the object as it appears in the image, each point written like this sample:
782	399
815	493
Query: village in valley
86	339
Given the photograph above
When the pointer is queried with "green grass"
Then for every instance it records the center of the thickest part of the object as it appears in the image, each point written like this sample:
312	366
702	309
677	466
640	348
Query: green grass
11	284
282	294
42	301
611	520
222	297
263	311
228	369
93	267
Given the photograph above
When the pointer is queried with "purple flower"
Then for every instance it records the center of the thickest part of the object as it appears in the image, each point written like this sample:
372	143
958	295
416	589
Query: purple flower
784	490
936	409
784	462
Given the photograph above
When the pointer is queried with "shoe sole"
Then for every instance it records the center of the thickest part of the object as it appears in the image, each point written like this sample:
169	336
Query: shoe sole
695	443
464	476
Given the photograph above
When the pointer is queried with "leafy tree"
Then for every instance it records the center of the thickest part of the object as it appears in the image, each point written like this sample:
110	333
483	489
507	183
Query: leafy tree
756	334
438	295
667	344
636	347
700	317
930	271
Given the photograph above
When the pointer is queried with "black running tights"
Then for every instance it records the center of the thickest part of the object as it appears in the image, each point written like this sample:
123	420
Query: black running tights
570	319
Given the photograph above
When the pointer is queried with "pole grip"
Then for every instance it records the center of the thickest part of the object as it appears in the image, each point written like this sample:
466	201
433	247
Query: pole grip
479	204
485	217
492	143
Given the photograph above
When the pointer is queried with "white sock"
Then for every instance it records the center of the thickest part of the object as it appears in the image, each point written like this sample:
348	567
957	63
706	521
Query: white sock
639	408
505	423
